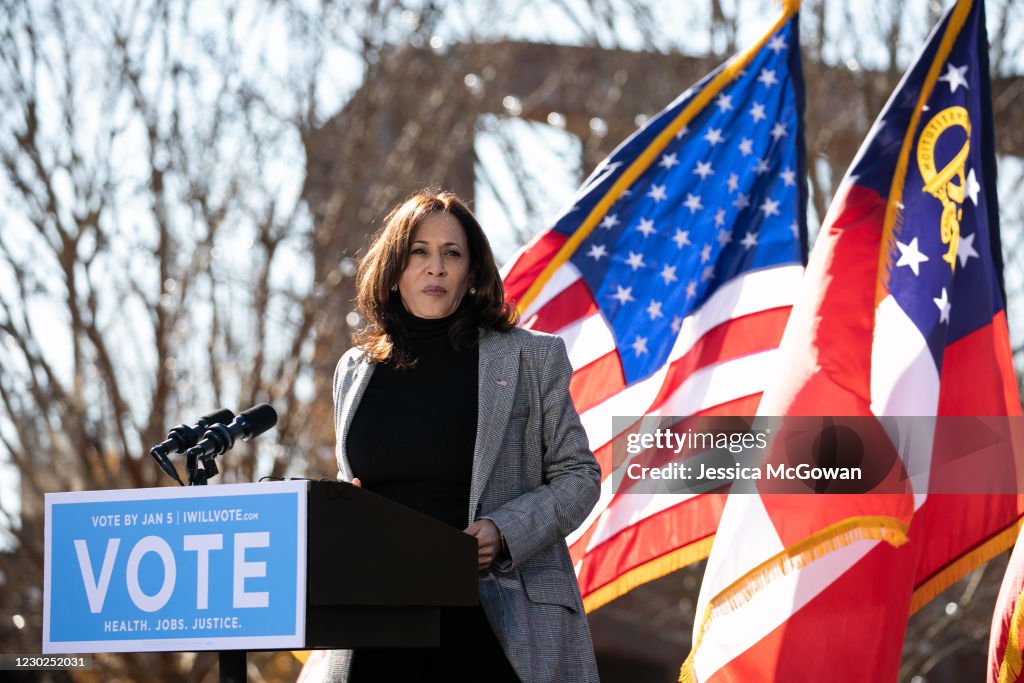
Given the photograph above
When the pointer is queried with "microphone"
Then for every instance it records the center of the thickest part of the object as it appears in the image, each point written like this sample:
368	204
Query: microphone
183	437
219	438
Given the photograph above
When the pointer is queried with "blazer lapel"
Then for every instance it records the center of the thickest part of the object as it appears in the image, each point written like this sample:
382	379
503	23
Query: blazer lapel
498	373
360	379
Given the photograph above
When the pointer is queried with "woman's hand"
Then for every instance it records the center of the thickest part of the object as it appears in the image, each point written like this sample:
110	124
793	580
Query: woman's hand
488	541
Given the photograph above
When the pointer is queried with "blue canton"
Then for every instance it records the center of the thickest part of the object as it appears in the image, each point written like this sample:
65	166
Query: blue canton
947	287
726	196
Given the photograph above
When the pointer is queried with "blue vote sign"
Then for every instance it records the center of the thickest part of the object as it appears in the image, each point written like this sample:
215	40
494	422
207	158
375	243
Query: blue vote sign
168	569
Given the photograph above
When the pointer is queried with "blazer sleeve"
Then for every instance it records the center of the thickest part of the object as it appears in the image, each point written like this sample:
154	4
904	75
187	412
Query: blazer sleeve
343	384
550	512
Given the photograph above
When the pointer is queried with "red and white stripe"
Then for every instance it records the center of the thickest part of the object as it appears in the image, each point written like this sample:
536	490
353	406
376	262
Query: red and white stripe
722	359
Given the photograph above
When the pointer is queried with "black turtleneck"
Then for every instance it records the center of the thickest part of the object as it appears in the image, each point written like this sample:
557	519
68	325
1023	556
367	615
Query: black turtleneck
411	439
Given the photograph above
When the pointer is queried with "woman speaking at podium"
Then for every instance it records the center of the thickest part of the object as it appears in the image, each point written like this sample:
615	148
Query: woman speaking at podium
446	407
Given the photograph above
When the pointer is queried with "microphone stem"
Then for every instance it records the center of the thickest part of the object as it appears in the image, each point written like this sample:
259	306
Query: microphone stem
191	467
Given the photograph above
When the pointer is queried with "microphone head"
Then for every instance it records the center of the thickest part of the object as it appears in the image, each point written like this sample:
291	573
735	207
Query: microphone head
260	419
222	416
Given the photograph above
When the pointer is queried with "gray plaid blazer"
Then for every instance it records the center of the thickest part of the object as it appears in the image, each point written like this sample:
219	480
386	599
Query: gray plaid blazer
536	478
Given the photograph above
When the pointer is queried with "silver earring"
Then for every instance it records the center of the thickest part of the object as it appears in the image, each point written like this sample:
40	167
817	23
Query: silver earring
472	290
394	288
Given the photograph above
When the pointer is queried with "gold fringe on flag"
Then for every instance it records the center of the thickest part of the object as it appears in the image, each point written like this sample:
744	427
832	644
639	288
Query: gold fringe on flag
869	528
955	571
686	674
798	556
1010	667
649	571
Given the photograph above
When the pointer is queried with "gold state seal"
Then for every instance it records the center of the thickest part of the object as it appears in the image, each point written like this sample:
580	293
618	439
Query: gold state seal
947	184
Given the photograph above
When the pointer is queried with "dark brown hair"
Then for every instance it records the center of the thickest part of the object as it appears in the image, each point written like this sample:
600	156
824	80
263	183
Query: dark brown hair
383	338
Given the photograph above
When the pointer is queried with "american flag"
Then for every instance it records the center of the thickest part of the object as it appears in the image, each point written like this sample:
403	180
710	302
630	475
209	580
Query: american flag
903	314
670	276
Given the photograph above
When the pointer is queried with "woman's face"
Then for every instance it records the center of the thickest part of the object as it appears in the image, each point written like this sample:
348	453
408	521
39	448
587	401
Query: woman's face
436	276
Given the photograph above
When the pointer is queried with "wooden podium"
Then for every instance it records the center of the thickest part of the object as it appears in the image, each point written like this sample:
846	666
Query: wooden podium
379	573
